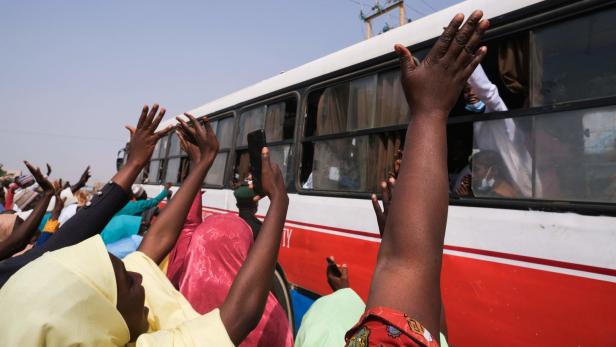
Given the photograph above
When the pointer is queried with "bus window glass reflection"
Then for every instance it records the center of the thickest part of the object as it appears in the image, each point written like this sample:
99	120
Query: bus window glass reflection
574	60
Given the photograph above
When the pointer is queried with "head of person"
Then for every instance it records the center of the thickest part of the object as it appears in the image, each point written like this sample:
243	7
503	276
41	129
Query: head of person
82	197
91	290
138	193
244	197
488	170
26	199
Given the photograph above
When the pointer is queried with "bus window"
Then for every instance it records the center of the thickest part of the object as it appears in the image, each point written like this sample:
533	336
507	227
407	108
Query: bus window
561	156
362	103
224	132
391	105
155	171
250	120
223	128
176	161
278	121
216	175
353	163
574	59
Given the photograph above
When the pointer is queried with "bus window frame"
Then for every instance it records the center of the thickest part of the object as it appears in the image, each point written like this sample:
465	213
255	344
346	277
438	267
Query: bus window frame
218	117
504	26
291	185
346	78
162	159
169	157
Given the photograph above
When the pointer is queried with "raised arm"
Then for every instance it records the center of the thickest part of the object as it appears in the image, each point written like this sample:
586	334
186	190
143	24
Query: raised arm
163	234
407	276
91	220
135	208
243	307
85	176
20	237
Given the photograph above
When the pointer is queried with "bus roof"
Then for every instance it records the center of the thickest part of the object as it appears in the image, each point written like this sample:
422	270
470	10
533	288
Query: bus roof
410	34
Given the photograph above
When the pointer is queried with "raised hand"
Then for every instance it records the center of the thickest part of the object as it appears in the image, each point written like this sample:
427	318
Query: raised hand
144	137
192	150
387	188
48	170
42	181
434	85
337	276
199	140
271	178
85	176
58	206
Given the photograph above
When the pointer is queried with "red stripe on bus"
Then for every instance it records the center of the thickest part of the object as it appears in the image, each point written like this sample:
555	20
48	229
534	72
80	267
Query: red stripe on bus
527	259
347	231
541	261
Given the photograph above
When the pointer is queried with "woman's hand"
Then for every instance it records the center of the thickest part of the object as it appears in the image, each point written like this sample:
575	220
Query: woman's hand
271	179
434	85
198	140
42	181
85	176
387	188
337	279
143	138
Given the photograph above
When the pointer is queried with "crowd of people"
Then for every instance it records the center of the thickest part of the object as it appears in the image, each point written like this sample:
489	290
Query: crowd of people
108	267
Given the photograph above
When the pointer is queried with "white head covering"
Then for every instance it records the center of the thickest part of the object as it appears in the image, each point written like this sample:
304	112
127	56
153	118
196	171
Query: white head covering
65	298
68	194
137	190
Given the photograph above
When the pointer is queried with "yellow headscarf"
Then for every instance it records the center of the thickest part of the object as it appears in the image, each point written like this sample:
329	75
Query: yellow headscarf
66	297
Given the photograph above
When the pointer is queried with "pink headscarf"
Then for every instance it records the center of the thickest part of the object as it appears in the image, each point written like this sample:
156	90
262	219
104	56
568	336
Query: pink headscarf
7	222
214	253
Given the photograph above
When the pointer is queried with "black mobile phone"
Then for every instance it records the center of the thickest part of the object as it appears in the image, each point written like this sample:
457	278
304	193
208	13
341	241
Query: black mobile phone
256	142
332	265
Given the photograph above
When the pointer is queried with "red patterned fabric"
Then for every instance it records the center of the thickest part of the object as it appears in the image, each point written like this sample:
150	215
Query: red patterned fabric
382	326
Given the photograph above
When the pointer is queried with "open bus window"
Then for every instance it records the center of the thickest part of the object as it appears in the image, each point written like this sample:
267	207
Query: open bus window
280	120
562	156
574	59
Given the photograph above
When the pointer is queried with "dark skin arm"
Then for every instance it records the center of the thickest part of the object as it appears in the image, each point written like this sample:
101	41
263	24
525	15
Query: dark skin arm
163	234
337	279
20	237
243	307
143	139
407	276
85	176
59	205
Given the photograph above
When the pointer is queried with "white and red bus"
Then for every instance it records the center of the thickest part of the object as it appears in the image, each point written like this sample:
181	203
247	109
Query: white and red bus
532	268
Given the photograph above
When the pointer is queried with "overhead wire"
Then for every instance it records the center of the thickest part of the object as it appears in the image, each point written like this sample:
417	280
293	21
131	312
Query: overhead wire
415	10
428	5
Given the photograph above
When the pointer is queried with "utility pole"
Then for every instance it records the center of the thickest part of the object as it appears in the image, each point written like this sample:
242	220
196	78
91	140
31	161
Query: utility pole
377	11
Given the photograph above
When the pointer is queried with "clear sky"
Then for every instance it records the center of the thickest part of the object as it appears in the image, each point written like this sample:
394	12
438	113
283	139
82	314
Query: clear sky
72	73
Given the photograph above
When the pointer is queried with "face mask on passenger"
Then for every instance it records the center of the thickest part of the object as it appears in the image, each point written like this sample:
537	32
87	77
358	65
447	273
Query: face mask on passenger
487	183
